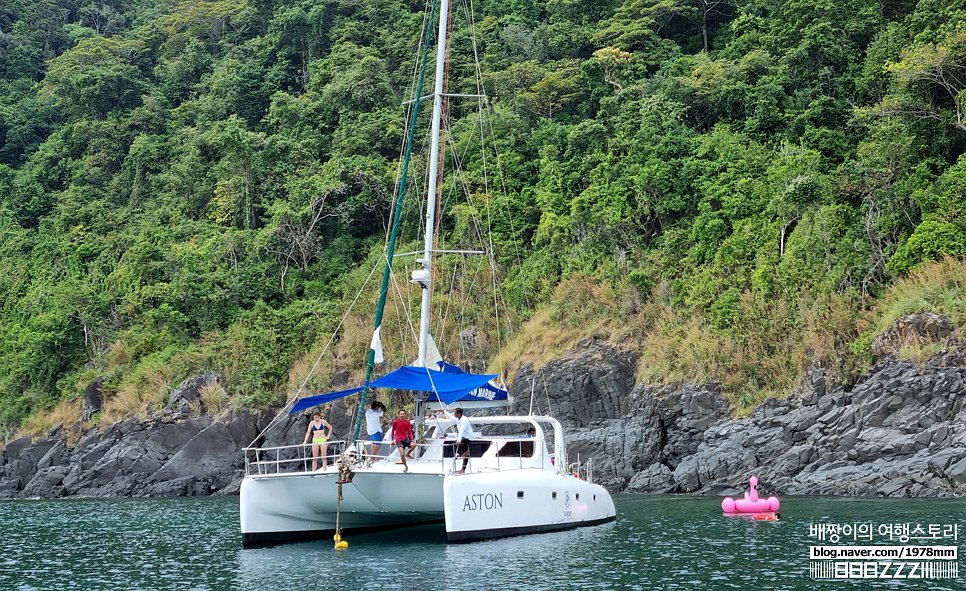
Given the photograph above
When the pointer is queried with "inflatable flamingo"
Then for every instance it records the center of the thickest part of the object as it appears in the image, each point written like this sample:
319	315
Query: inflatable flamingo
751	503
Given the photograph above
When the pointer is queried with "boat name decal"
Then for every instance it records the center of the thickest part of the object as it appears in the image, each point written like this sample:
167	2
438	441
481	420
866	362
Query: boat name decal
483	502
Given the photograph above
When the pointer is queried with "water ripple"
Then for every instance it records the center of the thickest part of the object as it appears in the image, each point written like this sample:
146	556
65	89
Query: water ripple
657	542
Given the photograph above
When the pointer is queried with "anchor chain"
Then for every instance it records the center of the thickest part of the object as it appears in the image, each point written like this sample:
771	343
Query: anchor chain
345	477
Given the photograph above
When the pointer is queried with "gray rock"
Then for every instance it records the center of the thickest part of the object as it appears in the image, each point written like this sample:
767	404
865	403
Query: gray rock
588	384
210	456
913	330
46	483
189	392
899	431
470	338
93	398
656	478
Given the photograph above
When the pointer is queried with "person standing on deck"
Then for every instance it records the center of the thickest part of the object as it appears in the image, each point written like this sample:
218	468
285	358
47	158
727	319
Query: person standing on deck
374	426
464	434
320	437
403	437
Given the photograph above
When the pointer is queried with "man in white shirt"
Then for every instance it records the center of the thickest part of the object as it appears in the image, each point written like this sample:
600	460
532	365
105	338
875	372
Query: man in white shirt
373	426
464	434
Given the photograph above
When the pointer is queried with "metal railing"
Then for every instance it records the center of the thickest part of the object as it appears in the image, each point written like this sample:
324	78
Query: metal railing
289	459
582	470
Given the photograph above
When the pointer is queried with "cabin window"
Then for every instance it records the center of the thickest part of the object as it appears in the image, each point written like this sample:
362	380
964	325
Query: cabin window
477	448
578	496
519	494
554	495
516	449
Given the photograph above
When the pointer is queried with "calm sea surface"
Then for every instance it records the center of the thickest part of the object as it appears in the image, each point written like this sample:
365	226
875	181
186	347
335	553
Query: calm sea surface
657	542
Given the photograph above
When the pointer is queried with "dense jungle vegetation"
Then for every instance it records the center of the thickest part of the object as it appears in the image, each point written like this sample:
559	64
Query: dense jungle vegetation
737	188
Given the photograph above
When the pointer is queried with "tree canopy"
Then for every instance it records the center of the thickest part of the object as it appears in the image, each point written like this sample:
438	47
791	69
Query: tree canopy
194	186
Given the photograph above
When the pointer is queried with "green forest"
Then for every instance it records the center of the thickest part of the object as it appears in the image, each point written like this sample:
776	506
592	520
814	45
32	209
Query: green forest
739	189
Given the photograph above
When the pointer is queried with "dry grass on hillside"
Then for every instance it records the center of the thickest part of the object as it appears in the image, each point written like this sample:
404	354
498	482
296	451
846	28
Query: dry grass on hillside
765	353
579	307
66	413
134	394
934	287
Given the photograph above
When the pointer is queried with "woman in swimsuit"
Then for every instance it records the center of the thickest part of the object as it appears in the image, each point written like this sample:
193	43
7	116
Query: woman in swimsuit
317	429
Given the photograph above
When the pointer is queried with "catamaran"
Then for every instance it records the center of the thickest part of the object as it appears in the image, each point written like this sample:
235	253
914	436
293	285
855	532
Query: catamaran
517	479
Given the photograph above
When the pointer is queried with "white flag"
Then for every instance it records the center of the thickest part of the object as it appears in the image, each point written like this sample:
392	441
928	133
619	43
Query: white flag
376	344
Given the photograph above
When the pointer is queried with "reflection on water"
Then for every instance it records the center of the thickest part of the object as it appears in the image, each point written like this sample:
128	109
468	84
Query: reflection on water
657	542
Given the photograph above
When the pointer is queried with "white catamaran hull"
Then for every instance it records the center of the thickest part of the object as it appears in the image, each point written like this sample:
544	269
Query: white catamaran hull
517	502
476	505
289	507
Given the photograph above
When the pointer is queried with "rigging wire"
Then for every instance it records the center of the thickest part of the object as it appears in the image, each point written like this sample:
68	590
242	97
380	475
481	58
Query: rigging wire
301	388
426	29
383	291
444	121
470	11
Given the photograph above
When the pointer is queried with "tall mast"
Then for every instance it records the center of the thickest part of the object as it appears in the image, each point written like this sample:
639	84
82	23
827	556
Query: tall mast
423	276
375	349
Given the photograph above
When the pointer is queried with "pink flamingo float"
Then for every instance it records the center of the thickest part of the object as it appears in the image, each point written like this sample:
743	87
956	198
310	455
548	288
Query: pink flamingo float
751	503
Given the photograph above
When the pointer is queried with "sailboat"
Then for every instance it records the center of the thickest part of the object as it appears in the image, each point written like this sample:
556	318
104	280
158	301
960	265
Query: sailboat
516	480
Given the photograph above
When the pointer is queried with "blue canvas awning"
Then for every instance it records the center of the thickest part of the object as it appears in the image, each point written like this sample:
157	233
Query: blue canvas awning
447	387
486	392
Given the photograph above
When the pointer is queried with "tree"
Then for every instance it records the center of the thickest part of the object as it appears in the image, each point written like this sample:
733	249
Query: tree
930	80
556	90
612	60
631	28
234	199
96	77
292	233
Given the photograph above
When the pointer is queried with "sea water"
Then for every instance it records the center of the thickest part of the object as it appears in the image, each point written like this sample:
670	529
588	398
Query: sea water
656	542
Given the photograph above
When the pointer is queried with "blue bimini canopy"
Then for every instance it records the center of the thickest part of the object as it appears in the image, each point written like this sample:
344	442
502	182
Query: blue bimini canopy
487	392
447	387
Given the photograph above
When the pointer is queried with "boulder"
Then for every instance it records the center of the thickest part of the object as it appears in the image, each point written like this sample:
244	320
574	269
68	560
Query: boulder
189	392
914	330
93	398
46	483
655	478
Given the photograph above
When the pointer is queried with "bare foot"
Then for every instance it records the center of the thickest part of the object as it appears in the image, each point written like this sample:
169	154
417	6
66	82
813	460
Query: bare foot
461	471
405	470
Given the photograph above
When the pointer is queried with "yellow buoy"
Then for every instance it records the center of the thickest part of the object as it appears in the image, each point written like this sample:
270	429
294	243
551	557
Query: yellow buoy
337	538
342	545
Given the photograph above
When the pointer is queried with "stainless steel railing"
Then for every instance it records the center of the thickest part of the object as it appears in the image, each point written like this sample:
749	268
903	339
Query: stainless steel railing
298	458
288	458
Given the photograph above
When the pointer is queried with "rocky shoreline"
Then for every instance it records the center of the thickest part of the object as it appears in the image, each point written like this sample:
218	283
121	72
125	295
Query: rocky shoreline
898	431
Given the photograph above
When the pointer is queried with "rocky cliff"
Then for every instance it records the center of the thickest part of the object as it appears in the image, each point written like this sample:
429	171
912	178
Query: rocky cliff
898	431
173	453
